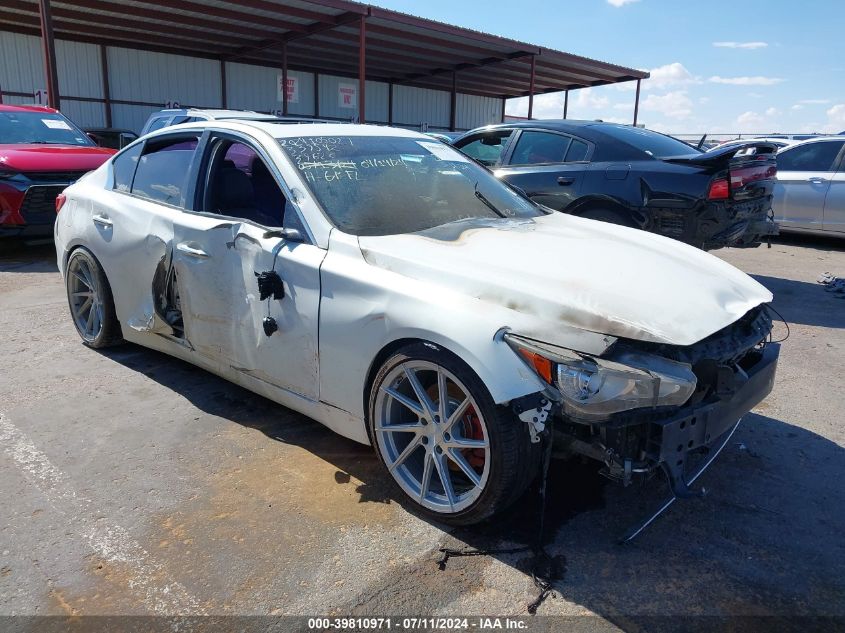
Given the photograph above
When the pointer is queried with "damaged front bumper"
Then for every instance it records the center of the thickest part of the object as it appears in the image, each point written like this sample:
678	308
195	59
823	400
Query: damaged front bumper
641	443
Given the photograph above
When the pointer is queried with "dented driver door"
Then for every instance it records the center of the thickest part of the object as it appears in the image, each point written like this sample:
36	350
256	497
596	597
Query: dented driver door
273	340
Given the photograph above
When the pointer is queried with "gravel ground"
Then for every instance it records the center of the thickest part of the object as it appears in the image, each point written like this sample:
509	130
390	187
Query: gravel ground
133	483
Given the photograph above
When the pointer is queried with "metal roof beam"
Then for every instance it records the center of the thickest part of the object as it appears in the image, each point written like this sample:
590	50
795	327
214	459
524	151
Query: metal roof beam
311	29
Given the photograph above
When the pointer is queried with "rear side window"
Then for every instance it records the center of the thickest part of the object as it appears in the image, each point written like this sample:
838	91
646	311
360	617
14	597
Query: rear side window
487	148
810	157
162	173
124	166
537	148
577	152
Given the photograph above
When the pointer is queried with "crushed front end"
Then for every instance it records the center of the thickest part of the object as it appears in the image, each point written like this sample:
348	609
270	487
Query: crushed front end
663	404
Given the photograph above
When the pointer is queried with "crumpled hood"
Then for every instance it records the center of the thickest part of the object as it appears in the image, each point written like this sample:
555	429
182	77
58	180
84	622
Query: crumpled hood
582	273
52	157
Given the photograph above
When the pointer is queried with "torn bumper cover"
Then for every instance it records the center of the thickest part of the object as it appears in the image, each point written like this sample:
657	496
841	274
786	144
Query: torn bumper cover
668	440
646	406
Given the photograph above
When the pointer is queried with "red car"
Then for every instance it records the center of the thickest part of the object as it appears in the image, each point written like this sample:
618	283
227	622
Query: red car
41	153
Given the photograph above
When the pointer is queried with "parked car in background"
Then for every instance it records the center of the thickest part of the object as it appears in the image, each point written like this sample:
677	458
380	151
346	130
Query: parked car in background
455	316
111	137
809	195
175	116
635	177
446	137
41	153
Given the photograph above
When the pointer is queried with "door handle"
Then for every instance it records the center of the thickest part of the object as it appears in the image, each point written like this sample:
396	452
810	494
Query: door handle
102	220
817	180
565	181
190	251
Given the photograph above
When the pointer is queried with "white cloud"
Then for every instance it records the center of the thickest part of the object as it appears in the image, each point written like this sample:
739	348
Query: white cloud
797	106
586	99
772	111
746	45
814	101
748	121
835	119
745	81
620	3
668	75
675	105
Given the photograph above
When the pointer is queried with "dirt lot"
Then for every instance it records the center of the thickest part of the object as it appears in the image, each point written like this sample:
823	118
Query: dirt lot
133	483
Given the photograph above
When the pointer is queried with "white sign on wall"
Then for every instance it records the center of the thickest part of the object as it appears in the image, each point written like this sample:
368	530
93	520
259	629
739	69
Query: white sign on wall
347	95
292	89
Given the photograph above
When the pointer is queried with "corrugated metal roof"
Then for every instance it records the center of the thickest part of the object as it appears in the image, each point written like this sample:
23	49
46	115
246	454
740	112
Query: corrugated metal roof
322	36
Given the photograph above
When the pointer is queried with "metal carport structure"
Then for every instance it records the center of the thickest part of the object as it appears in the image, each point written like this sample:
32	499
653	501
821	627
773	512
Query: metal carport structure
335	37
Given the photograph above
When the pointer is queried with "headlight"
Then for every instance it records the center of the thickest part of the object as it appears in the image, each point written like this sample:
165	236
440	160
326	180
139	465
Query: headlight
597	387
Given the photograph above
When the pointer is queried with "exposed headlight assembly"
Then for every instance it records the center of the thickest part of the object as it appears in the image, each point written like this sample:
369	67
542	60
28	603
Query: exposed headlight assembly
595	388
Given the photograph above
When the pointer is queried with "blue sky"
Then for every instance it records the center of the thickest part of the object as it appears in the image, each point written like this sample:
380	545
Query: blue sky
717	66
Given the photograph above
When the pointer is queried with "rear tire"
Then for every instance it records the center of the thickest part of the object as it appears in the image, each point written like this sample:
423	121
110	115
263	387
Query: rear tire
90	300
610	216
483	450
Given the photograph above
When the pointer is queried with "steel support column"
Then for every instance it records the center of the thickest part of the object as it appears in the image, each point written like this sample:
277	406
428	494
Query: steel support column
390	103
48	46
317	94
453	101
565	103
531	91
223	96
637	103
284	78
104	67
362	68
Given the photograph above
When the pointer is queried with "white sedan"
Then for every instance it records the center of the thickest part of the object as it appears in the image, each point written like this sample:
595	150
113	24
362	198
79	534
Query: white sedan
389	287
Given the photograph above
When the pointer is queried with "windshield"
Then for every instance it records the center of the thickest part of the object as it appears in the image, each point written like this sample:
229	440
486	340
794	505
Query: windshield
385	185
652	143
40	127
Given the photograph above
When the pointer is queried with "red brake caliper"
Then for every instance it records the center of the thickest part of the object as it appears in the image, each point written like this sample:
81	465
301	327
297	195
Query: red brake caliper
472	431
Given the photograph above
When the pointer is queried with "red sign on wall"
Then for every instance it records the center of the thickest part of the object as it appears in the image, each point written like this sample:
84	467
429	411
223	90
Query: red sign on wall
347	95
292	89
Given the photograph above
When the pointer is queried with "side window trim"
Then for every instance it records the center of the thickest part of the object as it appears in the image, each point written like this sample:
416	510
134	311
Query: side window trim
203	166
112	176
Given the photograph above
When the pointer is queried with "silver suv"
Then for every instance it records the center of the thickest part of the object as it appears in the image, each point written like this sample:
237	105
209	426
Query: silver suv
174	116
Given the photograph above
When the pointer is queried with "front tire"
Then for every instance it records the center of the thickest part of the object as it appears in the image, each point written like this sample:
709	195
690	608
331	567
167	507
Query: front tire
452	451
90	300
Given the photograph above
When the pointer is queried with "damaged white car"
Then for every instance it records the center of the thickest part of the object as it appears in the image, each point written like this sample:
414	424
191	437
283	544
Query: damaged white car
387	286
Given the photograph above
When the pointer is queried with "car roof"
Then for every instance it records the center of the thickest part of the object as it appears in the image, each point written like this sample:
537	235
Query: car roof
27	108
815	139
216	114
549	124
285	130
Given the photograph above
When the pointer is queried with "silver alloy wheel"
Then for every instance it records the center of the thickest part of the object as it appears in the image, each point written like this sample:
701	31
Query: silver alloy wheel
86	304
433	439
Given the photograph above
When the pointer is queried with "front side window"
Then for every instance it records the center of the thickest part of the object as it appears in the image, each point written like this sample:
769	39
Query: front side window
538	148
386	185
123	166
241	185
487	148
42	128
819	156
163	170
